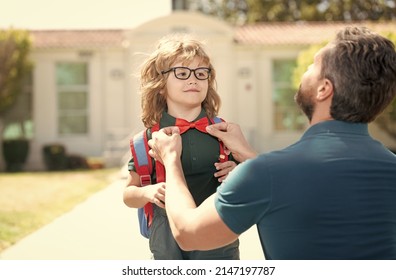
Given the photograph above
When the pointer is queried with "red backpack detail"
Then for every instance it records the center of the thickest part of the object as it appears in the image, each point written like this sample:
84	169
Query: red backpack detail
144	168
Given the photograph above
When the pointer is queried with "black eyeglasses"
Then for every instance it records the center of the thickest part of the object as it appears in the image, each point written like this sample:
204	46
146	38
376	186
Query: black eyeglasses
183	73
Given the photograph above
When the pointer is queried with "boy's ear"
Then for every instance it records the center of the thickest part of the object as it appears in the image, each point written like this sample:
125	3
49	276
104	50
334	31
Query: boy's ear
325	90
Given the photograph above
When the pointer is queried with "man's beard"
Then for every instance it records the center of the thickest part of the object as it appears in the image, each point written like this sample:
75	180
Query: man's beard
305	102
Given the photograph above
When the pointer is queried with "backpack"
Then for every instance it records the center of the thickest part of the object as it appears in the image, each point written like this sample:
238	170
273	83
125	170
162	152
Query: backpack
144	168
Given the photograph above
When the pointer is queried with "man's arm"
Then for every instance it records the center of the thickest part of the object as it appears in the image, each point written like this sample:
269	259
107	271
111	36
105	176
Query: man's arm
194	228
233	138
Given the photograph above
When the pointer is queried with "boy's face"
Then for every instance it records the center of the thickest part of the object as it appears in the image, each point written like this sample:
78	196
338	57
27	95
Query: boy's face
186	94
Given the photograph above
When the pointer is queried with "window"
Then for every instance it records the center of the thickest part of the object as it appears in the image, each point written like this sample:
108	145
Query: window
287	115
72	87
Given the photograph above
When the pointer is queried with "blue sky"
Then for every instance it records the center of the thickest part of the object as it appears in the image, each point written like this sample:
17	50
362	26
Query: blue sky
80	14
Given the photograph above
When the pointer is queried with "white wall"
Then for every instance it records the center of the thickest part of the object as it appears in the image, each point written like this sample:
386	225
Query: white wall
107	102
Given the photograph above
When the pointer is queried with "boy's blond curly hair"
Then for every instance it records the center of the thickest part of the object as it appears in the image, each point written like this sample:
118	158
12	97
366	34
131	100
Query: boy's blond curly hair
171	49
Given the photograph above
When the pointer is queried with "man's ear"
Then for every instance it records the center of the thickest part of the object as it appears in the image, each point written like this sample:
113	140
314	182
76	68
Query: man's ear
325	90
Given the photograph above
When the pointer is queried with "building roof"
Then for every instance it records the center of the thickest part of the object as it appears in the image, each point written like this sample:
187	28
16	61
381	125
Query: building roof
298	33
77	38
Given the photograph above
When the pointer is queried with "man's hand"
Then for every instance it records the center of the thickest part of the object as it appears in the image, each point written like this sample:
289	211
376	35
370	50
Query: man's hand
193	228
166	143
224	168
234	140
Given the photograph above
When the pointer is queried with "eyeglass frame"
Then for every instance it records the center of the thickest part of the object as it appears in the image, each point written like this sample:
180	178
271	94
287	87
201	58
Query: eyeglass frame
189	75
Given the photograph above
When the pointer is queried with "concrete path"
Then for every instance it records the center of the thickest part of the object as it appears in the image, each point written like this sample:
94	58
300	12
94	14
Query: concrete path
101	228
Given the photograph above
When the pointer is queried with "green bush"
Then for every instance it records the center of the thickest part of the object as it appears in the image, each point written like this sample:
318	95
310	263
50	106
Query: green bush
55	157
15	153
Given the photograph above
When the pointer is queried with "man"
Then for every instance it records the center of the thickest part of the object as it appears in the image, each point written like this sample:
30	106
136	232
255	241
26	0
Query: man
331	195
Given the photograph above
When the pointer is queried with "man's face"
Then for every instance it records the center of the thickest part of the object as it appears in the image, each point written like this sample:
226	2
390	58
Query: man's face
305	96
305	101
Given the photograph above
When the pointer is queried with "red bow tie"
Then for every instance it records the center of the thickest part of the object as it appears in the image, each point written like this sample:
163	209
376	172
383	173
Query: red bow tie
200	125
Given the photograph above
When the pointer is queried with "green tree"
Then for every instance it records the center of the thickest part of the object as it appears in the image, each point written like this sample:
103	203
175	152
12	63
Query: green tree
233	11
321	10
15	67
355	10
387	120
250	11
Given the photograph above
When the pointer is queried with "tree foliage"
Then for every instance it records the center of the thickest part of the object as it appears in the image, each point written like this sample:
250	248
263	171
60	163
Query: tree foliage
250	11
387	120
232	11
14	65
321	10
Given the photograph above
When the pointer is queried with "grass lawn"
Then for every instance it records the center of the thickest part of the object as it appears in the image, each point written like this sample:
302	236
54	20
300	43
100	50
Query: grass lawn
30	200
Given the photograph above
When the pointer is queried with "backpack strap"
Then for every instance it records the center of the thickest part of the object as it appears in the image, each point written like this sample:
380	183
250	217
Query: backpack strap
142	161
144	168
223	156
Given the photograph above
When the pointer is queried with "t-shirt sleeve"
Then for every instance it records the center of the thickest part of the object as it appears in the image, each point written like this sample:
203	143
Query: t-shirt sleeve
244	197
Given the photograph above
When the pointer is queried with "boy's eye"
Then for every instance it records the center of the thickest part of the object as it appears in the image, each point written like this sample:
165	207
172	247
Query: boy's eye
183	73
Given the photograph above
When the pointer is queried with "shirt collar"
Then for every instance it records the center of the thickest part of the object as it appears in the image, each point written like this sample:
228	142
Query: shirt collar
333	126
168	120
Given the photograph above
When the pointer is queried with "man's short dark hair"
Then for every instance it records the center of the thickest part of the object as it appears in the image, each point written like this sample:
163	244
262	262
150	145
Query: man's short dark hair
362	67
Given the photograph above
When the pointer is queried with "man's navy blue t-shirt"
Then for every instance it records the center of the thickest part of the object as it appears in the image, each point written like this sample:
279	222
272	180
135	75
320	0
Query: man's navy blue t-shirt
332	195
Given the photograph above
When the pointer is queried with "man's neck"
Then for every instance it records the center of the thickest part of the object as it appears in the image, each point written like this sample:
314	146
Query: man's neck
318	120
321	113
